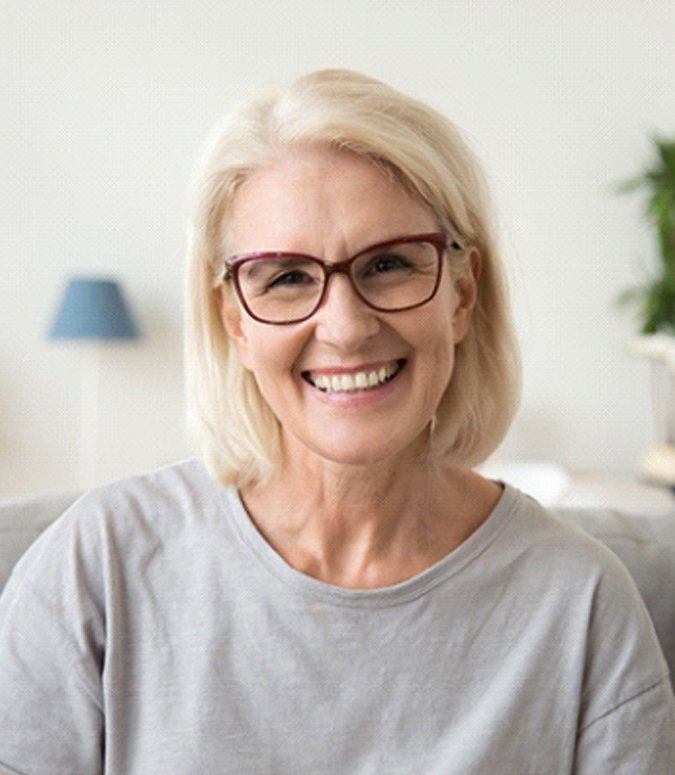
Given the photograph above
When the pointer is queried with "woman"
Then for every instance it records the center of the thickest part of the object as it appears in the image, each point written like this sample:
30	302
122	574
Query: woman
340	593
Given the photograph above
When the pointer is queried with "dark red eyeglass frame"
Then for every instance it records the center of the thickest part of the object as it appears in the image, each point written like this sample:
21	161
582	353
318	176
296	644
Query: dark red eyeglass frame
438	239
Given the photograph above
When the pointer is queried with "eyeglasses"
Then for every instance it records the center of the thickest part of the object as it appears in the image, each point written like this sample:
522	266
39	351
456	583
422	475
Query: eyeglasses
393	276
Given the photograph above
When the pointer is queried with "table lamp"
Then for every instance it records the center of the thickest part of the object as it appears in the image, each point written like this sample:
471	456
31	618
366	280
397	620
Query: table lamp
92	310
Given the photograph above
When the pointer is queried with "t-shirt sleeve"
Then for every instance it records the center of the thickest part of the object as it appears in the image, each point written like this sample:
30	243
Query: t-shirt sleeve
636	737
51	656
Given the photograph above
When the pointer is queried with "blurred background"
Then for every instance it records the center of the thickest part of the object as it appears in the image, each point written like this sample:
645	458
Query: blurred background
104	107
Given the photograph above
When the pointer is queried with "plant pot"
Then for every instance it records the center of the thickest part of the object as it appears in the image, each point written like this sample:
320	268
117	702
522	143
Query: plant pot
658	463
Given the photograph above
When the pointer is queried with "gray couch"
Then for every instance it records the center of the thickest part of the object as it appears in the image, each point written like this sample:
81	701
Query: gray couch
645	544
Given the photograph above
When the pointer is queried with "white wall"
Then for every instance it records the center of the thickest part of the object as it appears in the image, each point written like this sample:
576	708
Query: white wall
105	104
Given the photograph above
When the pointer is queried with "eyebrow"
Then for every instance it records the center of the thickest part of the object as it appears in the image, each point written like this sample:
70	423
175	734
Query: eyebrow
277	255
281	254
282	260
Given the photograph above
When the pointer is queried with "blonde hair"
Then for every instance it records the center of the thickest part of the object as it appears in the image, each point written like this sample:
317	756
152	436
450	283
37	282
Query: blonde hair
342	110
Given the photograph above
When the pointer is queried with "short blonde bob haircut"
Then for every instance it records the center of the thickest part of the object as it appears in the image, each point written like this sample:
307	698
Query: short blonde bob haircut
343	110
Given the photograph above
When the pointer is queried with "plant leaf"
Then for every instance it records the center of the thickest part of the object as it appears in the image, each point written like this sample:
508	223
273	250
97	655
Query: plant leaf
666	149
655	300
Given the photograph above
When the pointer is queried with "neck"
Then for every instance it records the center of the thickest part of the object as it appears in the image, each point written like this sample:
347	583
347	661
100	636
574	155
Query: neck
367	526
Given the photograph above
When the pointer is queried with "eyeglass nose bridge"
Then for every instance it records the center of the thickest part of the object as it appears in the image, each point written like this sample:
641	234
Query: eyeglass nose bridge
341	267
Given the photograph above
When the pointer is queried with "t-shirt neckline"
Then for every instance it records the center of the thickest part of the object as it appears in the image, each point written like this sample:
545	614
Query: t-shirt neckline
402	592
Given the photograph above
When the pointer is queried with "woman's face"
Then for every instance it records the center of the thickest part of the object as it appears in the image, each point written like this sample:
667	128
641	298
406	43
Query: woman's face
332	206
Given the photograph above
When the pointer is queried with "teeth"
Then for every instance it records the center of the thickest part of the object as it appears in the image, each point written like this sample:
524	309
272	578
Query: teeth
350	383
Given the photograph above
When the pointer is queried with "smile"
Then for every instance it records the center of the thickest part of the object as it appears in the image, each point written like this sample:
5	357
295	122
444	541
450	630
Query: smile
355	381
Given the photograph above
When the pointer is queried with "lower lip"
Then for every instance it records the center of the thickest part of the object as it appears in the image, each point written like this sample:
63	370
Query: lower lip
358	397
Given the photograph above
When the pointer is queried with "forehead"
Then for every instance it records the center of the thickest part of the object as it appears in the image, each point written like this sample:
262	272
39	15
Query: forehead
318	200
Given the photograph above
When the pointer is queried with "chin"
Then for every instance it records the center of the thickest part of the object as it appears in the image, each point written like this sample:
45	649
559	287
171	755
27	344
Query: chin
367	454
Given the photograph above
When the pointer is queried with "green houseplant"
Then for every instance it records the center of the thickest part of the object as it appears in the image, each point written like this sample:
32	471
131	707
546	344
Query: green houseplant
655	298
654	302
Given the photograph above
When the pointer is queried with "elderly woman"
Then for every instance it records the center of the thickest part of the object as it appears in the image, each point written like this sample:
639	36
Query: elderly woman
336	591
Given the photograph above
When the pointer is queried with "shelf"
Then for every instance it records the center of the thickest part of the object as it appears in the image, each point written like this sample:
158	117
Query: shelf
555	486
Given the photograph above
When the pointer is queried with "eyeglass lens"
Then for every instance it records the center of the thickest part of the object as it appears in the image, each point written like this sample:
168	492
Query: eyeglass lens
289	288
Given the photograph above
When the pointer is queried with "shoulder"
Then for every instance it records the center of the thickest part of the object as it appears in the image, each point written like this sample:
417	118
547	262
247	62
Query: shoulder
121	521
158	498
546	536
562	565
182	486
596	597
114	547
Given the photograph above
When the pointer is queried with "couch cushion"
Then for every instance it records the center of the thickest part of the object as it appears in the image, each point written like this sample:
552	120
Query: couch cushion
646	546
21	522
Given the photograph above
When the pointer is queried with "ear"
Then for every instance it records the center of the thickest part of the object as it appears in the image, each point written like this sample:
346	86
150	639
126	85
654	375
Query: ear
466	287
231	317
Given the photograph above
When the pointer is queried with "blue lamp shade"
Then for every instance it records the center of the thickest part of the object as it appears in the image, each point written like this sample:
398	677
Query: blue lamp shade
93	309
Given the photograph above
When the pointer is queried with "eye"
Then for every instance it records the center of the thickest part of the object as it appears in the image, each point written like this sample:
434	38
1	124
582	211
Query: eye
292	277
386	263
274	275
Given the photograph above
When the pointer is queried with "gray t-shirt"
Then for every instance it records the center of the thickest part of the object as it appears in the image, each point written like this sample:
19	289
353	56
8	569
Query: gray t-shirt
153	630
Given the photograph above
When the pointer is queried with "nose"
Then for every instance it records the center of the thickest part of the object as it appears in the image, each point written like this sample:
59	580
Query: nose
344	320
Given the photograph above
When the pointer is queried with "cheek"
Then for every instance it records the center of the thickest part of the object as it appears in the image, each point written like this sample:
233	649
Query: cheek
438	339
456	316
270	353
257	356
232	319
263	364
460	326
442	365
